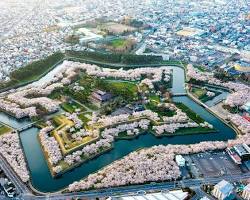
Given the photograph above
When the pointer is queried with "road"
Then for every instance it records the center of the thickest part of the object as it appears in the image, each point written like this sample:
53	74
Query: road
26	193
192	183
9	172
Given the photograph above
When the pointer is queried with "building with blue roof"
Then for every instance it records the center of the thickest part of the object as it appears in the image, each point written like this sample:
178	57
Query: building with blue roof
223	190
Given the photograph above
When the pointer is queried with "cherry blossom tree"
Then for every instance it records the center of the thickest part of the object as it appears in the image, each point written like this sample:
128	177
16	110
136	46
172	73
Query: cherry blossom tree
11	150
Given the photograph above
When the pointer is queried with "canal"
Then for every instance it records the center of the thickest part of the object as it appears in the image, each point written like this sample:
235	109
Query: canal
43	181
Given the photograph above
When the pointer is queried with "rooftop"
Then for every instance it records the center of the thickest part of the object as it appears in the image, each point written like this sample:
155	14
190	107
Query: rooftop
242	149
224	187
172	195
247	187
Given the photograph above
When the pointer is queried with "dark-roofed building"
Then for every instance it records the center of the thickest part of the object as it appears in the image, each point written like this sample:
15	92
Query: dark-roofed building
99	97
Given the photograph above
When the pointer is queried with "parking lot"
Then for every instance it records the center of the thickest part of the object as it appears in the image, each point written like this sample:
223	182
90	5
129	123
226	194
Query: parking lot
215	164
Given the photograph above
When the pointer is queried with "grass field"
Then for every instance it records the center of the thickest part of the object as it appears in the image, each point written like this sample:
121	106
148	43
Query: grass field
91	106
32	71
189	131
120	85
118	43
84	117
4	129
196	130
161	111
154	98
72	107
199	92
67	107
124	85
60	120
192	115
124	88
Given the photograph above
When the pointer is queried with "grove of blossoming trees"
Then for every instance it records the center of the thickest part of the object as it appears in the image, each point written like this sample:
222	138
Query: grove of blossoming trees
25	101
242	124
50	145
138	167
166	124
153	164
107	129
156	163
146	165
130	124
53	152
11	150
171	128
240	92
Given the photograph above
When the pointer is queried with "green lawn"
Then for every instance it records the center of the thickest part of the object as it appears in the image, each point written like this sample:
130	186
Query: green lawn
196	130
191	114
91	106
161	111
71	107
32	71
206	98
127	90
123	85
4	129
55	94
199	92
84	118
68	107
154	98
189	131
117	43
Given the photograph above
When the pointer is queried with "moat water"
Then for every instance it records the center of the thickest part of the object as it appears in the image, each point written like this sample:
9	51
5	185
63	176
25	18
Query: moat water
41	178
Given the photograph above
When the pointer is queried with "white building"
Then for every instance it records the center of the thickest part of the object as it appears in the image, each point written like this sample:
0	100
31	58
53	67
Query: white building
222	190
204	198
246	107
246	192
88	35
180	160
171	195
